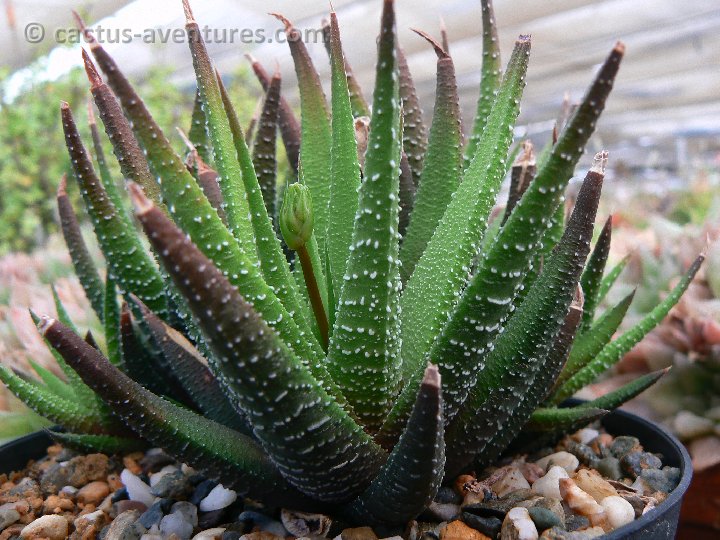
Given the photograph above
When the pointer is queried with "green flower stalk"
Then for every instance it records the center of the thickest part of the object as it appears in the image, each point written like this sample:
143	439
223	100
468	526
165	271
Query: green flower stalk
296	226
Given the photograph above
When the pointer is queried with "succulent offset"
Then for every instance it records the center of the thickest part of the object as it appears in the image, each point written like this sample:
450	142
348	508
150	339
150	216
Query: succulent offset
399	335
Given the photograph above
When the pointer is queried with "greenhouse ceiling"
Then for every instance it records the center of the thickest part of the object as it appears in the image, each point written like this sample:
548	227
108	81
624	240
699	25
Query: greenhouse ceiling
669	85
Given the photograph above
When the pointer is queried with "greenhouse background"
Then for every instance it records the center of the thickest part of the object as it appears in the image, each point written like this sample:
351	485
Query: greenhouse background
661	128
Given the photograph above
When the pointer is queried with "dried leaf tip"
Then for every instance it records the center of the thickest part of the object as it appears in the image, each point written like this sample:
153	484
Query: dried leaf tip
189	18
62	186
64	106
578	298
288	25
524	38
45	323
431	376
183	136
439	50
141	203
87	34
91	71
526	155
600	162
250	58
619	47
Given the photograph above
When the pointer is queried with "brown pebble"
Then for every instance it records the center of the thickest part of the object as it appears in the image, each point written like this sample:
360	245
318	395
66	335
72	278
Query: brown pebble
132	465
261	535
13	531
531	472
57	504
114	482
123	506
54	450
457	530
93	493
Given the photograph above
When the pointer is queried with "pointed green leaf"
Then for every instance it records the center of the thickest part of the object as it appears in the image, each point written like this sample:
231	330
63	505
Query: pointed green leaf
611	277
344	167
616	398
563	420
192	372
47	404
56	385
431	291
409	481
491	76
521	367
615	350
128	263
363	355
441	167
191	210
112	324
103	169
214	449
198	130
315	444
233	183
273	262
289	126
407	194
415	137
83	263
107	444
129	155
264	158
589	343
592	276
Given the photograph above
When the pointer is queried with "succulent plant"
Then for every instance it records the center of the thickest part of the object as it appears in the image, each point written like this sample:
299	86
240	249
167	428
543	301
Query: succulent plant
405	342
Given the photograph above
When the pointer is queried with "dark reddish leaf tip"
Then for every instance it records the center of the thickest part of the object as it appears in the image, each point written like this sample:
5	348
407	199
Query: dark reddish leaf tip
189	18
140	202
578	298
619	48
250	58
441	53
92	72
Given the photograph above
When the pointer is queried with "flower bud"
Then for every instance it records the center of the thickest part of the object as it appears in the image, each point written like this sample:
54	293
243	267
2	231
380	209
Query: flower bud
296	217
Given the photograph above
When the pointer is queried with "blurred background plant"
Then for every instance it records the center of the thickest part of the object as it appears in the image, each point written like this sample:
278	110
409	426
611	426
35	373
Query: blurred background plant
30	134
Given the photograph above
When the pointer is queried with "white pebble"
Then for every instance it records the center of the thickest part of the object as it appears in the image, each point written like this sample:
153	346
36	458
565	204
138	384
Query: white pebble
512	481
156	477
564	459
51	527
549	485
176	523
586	435
619	511
136	488
518	525
218	498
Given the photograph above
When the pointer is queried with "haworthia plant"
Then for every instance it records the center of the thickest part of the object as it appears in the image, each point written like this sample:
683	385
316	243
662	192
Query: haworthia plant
358	378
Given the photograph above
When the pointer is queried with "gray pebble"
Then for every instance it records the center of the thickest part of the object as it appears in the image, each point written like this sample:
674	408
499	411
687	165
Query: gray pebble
440	512
656	480
609	467
176	523
8	516
188	510
624	445
152	515
583	452
499	507
574	522
263	522
124	527
174	485
635	462
673	475
544	518
489	526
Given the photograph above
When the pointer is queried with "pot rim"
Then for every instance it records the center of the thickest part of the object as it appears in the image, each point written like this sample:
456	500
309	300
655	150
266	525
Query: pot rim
683	461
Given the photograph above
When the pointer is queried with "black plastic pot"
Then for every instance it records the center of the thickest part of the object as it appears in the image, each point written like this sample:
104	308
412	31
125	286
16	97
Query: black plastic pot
658	524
